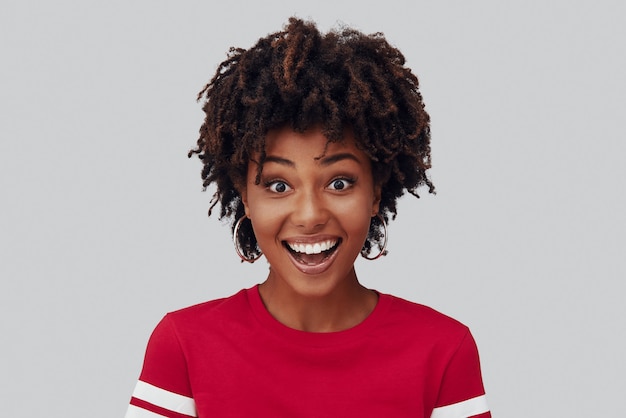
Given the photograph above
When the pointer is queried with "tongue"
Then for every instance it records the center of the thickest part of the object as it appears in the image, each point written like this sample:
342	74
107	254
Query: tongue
311	259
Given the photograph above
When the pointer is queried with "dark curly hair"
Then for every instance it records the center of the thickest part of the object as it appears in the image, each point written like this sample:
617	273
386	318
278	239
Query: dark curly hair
302	78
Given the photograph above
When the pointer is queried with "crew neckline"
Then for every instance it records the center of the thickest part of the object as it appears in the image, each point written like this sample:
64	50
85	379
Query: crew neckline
316	339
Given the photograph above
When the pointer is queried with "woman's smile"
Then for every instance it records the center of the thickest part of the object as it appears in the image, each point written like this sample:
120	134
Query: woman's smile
312	256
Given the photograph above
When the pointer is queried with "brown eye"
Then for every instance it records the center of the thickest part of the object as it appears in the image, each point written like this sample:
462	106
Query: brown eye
278	186
341	184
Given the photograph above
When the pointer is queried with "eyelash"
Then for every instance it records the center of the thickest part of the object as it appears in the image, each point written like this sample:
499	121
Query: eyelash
271	184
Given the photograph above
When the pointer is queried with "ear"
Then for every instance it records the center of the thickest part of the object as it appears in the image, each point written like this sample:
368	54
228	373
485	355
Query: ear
243	192
377	199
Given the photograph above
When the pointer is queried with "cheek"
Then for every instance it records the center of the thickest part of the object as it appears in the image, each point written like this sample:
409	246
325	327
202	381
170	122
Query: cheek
266	218
260	208
357	216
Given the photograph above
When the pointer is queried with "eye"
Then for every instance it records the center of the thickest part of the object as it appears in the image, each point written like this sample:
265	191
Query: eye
277	186
341	184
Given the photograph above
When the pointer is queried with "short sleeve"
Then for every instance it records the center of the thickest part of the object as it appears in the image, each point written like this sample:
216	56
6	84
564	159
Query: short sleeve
462	394
163	389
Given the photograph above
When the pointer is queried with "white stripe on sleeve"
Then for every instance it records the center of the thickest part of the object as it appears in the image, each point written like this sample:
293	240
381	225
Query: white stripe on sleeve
464	409
165	399
136	412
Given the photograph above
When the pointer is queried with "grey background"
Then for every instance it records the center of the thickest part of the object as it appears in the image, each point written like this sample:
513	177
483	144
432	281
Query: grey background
103	226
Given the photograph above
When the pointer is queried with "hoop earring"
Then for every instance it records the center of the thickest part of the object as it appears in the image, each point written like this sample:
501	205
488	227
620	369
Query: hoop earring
236	242
382	250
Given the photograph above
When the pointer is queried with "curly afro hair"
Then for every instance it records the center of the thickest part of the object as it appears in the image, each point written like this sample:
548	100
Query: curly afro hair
302	78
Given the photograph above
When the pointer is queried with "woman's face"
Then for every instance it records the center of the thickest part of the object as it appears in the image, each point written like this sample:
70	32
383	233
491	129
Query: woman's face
311	215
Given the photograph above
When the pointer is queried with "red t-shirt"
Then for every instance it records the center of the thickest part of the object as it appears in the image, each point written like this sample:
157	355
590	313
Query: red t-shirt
231	358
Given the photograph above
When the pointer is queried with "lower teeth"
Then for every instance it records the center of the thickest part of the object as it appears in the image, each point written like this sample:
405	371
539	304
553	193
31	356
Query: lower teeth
312	259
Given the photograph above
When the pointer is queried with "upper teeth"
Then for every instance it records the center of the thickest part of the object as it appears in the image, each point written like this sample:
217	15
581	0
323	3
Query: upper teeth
315	248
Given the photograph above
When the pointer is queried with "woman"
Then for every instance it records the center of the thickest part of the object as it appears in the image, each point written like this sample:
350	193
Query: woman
310	139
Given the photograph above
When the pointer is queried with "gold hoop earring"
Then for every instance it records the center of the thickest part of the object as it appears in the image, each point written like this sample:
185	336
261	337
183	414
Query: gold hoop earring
236	242
383	249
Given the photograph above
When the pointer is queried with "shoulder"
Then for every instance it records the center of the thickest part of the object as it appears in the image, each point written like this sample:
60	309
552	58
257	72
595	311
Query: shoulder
415	311
210	314
414	318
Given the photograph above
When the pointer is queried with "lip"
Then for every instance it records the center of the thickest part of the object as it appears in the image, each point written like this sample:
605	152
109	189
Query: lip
317	268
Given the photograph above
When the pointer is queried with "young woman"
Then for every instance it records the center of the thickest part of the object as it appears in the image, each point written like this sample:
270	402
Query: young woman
310	139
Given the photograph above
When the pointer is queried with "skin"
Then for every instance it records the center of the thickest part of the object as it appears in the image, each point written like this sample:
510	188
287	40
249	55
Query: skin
304	199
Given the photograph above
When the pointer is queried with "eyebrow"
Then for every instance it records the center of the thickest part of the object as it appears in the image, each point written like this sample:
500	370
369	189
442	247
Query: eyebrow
324	161
331	159
279	160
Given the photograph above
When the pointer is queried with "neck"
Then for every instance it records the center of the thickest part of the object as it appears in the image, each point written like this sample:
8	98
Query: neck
343	308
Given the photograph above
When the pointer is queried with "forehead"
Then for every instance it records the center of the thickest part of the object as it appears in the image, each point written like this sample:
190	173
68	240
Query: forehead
309	144
307	152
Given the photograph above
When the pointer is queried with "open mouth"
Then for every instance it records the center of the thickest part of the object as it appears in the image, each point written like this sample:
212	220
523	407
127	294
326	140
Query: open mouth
312	254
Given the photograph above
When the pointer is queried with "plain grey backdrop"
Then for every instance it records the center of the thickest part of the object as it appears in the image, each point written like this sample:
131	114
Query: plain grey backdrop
104	227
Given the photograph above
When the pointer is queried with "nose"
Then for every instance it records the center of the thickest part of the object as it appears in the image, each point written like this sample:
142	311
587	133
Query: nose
309	211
